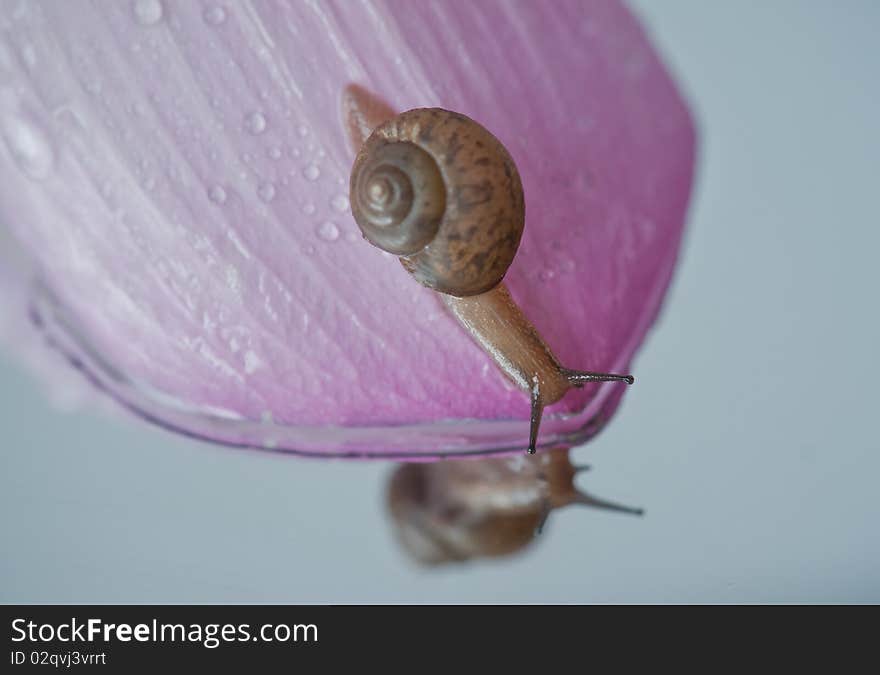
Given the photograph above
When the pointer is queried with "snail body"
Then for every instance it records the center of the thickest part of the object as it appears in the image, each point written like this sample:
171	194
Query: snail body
440	191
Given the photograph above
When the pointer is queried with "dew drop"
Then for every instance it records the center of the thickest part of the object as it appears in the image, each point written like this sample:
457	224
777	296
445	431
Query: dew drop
302	130
566	266
29	146
5	57
327	231
29	55
309	209
340	203
311	172
215	15
266	191
252	362
217	194
255	123
547	275
148	12
274	152
233	280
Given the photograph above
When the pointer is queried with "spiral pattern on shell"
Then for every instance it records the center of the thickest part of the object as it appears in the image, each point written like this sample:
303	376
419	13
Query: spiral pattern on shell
436	188
398	197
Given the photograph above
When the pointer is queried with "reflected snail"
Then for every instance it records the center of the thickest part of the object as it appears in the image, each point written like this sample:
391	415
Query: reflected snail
438	190
444	512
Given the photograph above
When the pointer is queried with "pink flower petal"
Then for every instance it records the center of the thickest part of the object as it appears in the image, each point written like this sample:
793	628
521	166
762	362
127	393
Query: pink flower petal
178	171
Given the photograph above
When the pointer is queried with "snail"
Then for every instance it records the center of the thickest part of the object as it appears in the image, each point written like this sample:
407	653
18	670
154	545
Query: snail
437	189
455	511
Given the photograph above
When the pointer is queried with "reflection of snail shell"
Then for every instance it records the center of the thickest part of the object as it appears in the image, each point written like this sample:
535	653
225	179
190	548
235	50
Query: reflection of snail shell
458	510
437	188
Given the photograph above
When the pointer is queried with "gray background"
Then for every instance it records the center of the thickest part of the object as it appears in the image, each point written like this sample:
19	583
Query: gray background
751	436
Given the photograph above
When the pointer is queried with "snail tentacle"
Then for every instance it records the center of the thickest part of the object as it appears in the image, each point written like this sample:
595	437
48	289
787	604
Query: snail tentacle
537	414
589	500
578	378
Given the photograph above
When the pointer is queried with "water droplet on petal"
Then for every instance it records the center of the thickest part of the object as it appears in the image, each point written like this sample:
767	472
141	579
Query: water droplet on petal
340	203
215	15
147	12
29	55
29	146
217	194
328	231
6	59
547	275
255	123
266	191
252	362
274	152
311	172
309	209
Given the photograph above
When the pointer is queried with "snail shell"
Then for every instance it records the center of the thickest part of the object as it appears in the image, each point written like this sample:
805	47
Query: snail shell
439	190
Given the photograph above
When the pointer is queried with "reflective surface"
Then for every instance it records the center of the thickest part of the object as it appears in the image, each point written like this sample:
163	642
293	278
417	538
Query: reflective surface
759	479
58	329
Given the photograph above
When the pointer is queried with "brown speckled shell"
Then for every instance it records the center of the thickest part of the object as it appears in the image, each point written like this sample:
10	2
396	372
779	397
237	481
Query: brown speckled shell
481	227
